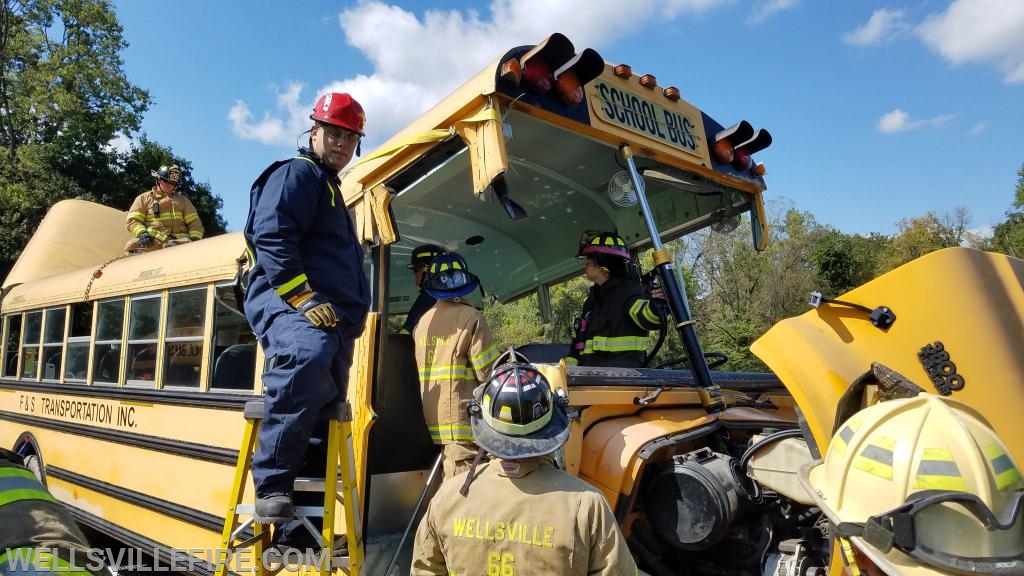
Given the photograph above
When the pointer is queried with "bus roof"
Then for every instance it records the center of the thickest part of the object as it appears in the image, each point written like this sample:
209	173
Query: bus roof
52	270
444	175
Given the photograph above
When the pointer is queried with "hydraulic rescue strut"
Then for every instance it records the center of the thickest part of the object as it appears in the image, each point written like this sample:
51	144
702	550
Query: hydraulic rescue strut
710	393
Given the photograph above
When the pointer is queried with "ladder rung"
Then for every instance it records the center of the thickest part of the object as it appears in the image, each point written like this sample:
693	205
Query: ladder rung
342	412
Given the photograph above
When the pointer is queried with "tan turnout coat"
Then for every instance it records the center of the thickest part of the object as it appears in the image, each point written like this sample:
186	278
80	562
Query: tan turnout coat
524	517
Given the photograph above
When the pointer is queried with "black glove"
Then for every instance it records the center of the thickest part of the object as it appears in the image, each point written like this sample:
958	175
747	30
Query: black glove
145	239
320	312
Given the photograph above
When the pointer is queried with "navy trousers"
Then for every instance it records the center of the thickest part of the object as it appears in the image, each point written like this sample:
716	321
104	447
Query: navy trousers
307	376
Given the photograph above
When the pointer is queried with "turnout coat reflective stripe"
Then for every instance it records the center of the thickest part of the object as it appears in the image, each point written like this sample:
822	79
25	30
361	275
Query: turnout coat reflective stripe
524	517
176	217
454	353
613	327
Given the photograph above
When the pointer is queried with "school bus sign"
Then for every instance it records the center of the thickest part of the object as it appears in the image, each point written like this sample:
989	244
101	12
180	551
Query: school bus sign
612	104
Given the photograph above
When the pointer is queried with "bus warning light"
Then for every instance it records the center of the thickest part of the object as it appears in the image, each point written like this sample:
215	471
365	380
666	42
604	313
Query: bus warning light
648	81
727	140
744	150
623	71
672	93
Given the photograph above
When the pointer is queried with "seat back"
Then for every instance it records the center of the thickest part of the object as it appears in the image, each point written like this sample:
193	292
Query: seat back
235	368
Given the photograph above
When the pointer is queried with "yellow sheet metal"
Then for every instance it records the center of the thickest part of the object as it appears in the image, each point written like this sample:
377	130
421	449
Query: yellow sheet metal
970	301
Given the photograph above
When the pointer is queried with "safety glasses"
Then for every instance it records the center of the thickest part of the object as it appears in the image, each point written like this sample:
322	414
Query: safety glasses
932	527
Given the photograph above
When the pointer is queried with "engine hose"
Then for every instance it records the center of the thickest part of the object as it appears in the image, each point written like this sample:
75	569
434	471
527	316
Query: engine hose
775	437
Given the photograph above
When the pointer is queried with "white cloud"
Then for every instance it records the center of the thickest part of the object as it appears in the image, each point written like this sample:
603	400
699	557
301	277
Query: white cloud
421	60
883	25
767	8
899	121
977	129
980	31
272	129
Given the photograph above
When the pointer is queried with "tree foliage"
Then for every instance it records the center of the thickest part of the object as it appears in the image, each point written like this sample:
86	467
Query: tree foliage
1008	236
64	98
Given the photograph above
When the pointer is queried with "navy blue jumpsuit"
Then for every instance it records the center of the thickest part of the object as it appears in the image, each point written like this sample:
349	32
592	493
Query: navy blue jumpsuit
300	231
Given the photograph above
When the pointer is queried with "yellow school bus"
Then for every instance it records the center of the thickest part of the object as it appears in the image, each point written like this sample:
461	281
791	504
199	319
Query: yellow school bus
123	379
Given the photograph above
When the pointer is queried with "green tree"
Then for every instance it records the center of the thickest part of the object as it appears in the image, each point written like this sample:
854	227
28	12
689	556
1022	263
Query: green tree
63	98
1008	236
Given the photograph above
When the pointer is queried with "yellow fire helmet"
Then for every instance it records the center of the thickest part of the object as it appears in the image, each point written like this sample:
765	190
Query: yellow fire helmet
923	486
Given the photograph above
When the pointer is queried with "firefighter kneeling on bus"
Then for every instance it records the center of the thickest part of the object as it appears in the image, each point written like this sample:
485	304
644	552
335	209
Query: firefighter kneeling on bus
921	486
160	217
518	513
37	534
454	352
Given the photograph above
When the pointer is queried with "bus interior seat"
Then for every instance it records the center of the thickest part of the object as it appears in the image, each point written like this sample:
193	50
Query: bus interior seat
52	366
12	366
400	431
143	365
108	366
544	353
78	363
235	368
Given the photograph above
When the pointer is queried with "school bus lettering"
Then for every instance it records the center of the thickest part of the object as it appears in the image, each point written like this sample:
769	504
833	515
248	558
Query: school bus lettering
126	416
531	534
642	116
123	416
76	410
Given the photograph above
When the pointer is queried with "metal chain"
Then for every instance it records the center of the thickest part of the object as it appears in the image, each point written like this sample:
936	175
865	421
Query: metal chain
99	272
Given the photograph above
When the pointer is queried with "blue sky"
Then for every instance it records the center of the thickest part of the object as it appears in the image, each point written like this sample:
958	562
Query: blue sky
879	110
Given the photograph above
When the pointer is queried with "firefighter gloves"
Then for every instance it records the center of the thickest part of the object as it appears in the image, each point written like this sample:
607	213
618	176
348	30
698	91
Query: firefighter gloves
319	312
145	239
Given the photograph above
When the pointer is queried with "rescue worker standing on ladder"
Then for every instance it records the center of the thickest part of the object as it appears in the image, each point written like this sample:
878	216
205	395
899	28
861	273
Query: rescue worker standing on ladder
37	534
921	487
454	351
613	327
419	261
519	514
160	217
306	301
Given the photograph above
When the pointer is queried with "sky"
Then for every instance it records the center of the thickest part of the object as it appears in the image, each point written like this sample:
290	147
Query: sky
879	111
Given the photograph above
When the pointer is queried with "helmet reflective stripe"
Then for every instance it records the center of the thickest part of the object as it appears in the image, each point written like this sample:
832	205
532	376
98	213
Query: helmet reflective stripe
606	243
1006	473
503	423
938	471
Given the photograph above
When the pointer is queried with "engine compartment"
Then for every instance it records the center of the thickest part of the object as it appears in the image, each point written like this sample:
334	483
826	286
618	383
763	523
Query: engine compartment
701	508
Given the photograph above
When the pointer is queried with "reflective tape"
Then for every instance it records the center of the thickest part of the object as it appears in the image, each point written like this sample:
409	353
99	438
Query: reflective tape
877	458
1005	471
938	471
451	433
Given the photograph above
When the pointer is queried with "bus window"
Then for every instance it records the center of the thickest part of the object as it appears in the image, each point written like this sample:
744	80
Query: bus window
234	362
53	342
183	341
13	336
78	342
30	345
107	352
143	325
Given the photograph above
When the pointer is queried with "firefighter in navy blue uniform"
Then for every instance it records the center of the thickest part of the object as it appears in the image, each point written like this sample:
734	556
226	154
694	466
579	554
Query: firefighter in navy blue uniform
307	298
617	316
518	513
419	262
36	529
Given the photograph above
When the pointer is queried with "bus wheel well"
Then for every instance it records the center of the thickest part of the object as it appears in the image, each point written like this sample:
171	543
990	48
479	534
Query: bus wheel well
28	447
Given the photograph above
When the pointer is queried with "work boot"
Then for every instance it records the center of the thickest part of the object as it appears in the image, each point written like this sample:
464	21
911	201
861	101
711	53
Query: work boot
276	507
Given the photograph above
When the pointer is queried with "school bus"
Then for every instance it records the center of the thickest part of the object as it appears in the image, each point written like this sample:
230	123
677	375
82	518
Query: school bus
124	379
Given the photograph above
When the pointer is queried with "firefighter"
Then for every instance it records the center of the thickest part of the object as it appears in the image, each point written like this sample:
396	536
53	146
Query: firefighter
519	514
921	486
37	529
419	261
306	301
616	318
160	217
454	352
